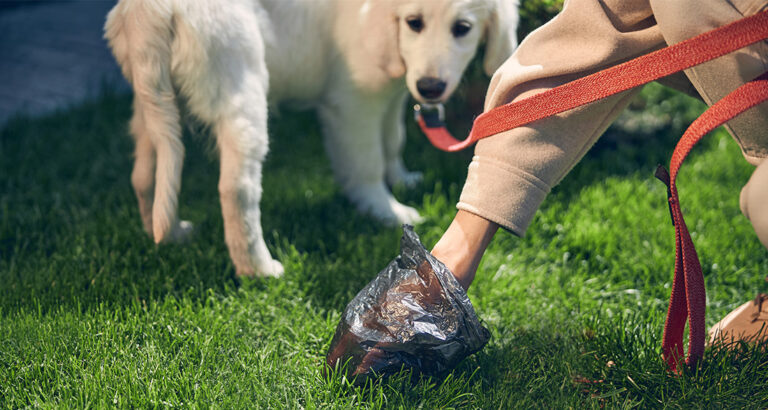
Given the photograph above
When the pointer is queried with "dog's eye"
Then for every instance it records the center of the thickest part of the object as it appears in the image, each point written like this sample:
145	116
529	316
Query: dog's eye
415	23
461	28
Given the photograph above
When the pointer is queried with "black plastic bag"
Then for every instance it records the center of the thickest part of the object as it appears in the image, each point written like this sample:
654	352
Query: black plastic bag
414	315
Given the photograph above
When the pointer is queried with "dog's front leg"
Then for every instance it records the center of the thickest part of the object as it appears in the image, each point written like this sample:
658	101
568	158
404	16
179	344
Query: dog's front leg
243	144
394	140
353	139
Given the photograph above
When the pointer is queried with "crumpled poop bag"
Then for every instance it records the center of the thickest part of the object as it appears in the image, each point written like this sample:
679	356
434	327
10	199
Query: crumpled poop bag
413	315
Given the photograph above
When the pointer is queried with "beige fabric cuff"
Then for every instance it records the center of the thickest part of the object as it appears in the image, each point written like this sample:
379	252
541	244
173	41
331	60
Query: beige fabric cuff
519	194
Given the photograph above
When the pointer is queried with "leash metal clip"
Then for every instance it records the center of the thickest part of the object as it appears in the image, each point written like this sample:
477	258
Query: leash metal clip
432	114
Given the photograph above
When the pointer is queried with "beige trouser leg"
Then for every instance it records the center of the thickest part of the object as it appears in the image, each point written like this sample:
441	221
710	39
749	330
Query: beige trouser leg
754	201
512	172
683	19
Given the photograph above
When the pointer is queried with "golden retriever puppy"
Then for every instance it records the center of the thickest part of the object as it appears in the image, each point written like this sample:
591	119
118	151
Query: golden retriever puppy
354	61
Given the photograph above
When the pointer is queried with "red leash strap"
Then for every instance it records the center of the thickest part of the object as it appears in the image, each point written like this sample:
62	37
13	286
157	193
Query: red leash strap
688	298
633	73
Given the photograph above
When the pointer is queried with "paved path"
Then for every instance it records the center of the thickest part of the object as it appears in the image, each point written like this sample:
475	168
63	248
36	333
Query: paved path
52	55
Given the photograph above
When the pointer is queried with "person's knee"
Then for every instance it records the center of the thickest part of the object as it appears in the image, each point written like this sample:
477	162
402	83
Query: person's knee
743	200
754	201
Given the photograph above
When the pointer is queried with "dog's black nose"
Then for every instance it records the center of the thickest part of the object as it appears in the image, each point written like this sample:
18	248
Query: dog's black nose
430	87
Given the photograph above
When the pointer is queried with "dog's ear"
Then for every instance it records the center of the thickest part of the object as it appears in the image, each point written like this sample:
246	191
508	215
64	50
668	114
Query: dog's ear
380	25
501	34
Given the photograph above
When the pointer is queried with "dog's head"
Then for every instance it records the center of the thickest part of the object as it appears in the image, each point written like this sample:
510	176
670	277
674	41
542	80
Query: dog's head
432	41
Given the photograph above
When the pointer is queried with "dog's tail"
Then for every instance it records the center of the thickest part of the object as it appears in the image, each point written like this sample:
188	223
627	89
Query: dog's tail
140	33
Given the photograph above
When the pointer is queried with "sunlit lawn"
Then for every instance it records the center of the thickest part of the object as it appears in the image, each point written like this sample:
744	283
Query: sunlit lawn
92	313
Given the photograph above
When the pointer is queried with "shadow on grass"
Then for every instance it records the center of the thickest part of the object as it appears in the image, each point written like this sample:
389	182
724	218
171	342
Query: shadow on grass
625	365
516	370
70	231
593	361
70	237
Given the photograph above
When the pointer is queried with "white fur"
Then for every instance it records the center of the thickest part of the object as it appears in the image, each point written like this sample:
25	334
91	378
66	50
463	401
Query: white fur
227	59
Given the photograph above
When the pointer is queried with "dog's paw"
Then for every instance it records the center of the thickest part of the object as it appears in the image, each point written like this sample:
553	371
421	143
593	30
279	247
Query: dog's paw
406	215
270	268
394	213
377	201
180	233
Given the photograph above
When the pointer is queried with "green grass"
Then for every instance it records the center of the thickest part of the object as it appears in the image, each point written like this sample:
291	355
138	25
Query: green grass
93	314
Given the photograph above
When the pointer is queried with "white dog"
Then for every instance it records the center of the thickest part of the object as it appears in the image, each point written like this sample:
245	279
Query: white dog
347	58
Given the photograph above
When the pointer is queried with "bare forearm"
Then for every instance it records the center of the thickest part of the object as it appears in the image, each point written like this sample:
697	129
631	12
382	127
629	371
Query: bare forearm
462	246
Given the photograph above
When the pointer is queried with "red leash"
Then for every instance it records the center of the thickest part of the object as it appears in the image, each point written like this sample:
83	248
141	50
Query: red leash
633	73
688	297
